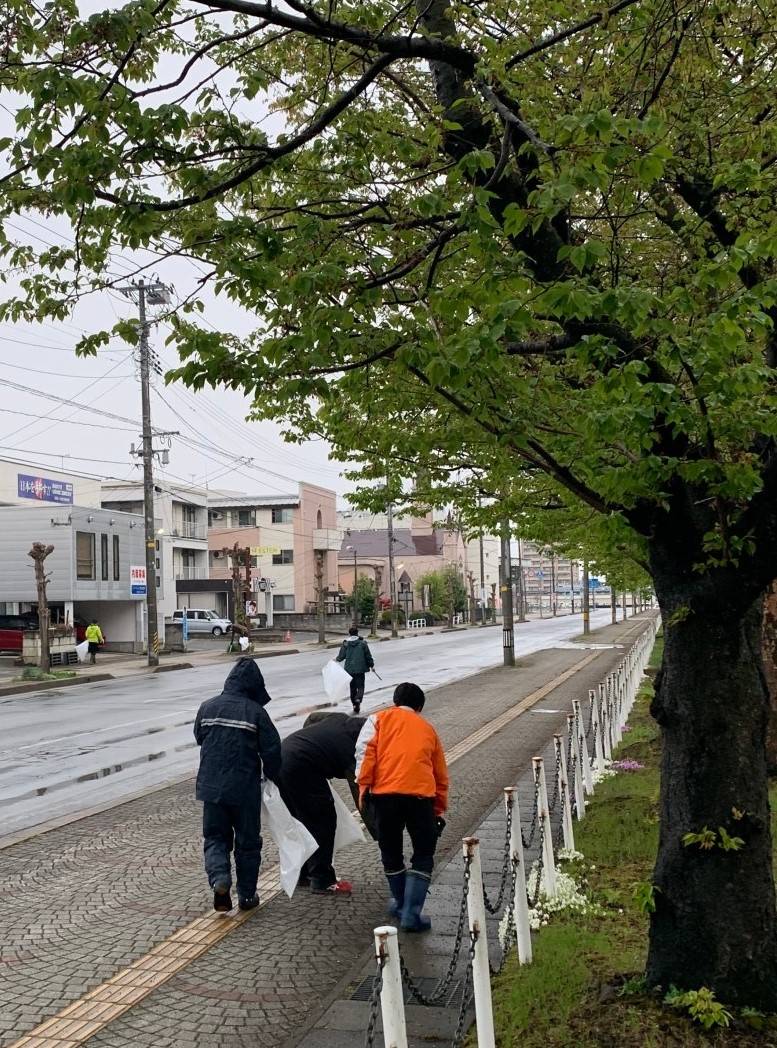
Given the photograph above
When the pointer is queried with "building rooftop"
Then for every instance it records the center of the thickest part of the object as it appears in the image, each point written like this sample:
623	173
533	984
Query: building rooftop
232	501
406	544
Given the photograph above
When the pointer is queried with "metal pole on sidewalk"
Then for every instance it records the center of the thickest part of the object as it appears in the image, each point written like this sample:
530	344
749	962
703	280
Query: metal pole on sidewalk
586	600
508	633
392	569
481	974
521	900
392	1001
548	860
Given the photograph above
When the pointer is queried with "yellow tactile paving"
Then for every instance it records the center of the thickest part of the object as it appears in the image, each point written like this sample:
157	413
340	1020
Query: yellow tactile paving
81	1020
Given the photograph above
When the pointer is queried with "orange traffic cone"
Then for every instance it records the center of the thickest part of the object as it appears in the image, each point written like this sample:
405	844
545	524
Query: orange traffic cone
287	636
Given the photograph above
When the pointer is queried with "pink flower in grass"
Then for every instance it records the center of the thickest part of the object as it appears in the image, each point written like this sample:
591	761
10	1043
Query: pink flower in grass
627	765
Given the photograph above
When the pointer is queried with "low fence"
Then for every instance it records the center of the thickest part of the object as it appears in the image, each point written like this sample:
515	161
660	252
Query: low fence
580	753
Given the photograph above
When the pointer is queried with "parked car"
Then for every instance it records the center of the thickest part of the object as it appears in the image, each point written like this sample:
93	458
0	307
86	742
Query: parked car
13	626
203	620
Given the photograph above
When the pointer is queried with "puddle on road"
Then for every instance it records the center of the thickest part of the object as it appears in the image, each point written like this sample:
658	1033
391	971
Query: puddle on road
101	773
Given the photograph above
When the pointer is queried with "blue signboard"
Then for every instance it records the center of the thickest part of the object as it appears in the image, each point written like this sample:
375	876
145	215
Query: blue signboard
42	489
594	583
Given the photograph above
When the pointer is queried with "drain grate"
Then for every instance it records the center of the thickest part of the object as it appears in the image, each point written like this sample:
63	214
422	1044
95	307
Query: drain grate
452	999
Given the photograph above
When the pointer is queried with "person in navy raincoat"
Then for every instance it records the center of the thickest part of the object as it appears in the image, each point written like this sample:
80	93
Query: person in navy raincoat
239	744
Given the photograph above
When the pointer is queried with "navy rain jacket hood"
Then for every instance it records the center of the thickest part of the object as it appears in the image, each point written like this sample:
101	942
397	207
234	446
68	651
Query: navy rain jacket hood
238	740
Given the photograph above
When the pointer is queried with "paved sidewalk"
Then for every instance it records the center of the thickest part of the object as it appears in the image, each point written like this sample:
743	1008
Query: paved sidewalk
82	902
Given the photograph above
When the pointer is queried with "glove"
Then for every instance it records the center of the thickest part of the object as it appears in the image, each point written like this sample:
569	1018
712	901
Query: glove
439	823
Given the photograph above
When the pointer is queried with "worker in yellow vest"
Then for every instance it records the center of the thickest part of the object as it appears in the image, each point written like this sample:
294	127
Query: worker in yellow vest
94	637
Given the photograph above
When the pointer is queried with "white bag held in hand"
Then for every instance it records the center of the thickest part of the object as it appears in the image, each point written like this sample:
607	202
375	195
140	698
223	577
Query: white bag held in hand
83	651
295	845
337	683
348	829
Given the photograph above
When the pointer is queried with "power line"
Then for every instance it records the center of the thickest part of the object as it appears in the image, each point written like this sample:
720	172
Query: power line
58	374
74	422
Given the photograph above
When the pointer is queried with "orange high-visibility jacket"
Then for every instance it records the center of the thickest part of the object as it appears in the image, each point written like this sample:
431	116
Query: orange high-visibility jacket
400	752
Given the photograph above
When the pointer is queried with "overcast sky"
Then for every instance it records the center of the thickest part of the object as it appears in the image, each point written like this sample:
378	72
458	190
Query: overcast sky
42	431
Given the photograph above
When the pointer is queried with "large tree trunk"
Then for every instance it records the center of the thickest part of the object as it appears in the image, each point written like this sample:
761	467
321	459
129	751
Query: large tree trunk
714	923
769	654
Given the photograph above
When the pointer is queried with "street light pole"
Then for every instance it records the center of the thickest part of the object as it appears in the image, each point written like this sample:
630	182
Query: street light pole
392	570
586	600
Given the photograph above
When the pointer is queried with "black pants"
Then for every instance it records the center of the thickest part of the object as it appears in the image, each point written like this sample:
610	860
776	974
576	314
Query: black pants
397	812
357	687
228	826
307	795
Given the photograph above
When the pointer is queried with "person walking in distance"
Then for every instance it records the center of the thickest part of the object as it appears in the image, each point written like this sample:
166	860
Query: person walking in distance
400	764
357	659
238	745
93	635
324	748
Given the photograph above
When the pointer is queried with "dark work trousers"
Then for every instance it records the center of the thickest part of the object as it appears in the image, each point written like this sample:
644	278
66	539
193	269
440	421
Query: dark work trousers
397	812
308	797
357	687
225	826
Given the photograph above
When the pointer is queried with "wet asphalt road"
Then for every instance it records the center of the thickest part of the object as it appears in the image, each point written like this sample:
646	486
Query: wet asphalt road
63	752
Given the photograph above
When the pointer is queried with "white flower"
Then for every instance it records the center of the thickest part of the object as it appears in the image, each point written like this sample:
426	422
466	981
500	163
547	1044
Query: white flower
568	897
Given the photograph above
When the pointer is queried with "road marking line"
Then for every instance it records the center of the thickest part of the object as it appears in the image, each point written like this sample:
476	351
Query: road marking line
87	1016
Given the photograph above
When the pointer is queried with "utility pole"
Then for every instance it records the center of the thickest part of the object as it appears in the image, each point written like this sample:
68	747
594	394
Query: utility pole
553	586
392	571
508	631
157	294
376	609
586	600
355	587
472	600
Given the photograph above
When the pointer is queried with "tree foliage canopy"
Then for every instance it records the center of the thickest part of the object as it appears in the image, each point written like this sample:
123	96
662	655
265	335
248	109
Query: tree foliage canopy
526	236
528	239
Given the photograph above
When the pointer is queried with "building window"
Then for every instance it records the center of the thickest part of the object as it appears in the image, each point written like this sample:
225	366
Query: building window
286	556
283	516
104	557
282	602
246	518
116	559
254	562
158	582
319	520
84	555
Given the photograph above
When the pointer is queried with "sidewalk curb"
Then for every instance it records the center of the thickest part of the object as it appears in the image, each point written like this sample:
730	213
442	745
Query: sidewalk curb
48	685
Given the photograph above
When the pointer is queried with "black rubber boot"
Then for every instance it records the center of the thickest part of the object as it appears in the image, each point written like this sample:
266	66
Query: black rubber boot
396	883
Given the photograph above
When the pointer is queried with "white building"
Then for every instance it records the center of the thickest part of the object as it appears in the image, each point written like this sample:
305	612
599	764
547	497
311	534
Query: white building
181	529
88	569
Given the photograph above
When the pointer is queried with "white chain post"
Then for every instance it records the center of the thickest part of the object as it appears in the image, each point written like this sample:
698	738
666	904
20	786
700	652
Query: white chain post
548	860
577	784
582	747
481	974
521	899
565	789
605	723
392	998
617	711
598	731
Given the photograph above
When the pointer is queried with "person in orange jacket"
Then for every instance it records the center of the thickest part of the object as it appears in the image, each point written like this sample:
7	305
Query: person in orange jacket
400	764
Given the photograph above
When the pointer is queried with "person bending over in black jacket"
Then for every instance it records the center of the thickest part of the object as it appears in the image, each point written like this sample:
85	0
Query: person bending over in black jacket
323	749
238	745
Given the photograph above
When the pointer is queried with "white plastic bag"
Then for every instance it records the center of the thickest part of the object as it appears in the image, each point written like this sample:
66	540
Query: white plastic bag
295	845
337	683
348	829
83	651
244	642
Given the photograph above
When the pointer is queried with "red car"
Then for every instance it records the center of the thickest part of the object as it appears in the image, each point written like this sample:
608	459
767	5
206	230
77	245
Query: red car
12	628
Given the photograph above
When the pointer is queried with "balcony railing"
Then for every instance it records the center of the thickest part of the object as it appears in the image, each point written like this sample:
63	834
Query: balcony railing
186	530
190	573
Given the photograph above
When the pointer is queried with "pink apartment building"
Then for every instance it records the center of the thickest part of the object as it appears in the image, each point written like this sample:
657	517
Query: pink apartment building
284	532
